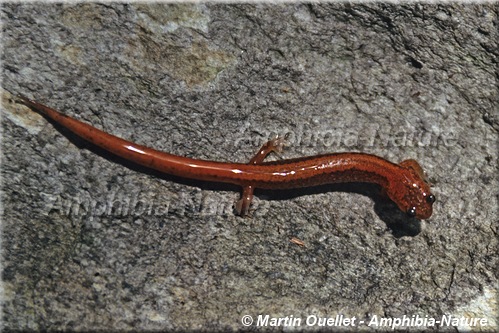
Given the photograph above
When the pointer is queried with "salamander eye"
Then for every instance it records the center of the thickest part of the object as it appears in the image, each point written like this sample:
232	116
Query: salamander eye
430	199
411	212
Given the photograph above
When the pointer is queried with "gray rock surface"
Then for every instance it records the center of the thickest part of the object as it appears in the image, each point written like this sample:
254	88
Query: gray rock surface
91	242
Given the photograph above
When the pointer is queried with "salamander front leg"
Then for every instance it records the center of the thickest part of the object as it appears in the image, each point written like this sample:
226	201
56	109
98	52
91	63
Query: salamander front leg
275	145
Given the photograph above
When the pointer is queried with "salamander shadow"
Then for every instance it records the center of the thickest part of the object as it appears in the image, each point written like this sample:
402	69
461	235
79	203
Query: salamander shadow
398	222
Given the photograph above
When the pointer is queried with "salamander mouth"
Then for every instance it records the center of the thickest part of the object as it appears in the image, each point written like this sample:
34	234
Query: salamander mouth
422	212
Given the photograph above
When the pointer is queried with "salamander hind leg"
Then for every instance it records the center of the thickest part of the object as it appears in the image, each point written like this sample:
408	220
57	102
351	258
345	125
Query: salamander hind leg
276	146
243	204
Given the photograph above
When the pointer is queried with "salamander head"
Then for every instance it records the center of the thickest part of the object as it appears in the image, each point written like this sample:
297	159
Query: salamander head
411	191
